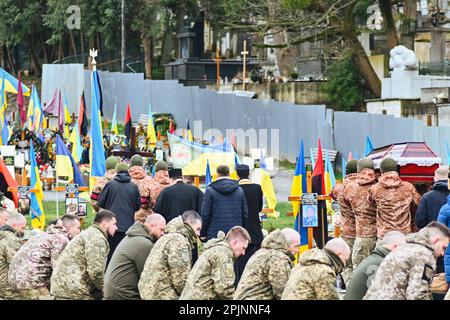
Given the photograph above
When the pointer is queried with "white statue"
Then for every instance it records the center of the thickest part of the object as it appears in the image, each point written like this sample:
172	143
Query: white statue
402	58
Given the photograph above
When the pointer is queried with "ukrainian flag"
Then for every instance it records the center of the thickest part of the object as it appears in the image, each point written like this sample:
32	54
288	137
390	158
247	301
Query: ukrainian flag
67	118
330	178
6	133
3	103
151	135
188	132
11	84
34	114
65	164
208	178
77	148
97	151
36	207
114	128
297	189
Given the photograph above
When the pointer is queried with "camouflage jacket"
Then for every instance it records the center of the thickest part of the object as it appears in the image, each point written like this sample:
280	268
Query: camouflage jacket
394	199
212	276
32	265
168	264
314	277
348	224
160	181
9	244
355	196
79	270
143	181
267	271
98	187
406	273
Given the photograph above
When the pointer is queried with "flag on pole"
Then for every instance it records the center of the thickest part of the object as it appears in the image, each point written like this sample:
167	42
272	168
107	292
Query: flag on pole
128	124
96	151
77	148
330	178
82	119
297	189
114	128
369	147
318	186
67	118
151	135
36	206
208	178
344	169
65	164
188	132
21	102
3	103
6	133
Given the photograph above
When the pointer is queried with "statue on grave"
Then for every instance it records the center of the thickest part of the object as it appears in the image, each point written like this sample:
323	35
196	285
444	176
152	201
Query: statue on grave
402	58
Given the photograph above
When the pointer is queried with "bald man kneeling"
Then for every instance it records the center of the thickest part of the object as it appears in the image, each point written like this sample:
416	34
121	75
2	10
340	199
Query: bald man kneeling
124	270
314	277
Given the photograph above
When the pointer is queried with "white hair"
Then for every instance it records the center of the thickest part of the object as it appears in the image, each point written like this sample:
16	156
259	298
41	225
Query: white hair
337	245
290	235
155	218
393	237
15	218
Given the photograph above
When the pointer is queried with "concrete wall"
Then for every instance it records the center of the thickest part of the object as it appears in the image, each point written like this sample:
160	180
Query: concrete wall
392	107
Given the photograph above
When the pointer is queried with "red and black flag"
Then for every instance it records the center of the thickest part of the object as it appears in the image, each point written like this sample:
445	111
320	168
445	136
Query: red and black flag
82	119
318	186
21	102
128	123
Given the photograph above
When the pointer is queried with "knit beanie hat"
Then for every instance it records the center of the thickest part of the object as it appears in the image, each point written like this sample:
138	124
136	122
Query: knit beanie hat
388	164
111	163
121	167
137	160
364	163
351	166
161	165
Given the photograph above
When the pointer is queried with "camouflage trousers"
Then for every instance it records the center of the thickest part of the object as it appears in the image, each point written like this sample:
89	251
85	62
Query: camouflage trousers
362	248
9	294
35	294
348	270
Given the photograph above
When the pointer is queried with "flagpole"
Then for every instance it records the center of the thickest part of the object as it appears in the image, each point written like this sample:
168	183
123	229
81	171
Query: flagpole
57	198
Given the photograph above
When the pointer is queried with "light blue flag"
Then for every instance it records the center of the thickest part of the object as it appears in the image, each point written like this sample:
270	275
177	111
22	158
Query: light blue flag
344	170
369	147
208	178
5	132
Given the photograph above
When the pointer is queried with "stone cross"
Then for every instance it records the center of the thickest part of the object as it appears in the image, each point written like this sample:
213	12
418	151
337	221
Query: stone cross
244	53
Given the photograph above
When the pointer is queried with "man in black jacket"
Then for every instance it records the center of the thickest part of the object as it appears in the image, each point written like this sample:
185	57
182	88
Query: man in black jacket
254	196
180	197
121	196
224	205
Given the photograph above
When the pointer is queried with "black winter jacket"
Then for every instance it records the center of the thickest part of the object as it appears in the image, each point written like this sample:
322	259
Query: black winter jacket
431	203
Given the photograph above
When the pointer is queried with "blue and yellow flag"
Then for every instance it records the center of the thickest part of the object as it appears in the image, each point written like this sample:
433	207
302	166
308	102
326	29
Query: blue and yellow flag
6	132
114	128
299	186
65	164
34	114
330	178
77	148
151	134
208	178
11	84
67	118
97	151
188	132
36	206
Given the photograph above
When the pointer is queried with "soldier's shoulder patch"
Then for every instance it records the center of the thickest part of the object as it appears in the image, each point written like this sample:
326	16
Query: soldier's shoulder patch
427	273
288	267
185	255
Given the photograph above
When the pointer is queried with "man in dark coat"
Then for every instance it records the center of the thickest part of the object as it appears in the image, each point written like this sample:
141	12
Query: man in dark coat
432	201
122	197
124	271
254	197
224	205
173	201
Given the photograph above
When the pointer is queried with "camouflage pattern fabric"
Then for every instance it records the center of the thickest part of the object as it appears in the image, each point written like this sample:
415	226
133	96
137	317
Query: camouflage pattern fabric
362	248
348	270
33	264
168	264
35	294
406	273
9	244
314	277
348	224
160	181
140	178
394	199
79	270
267	271
99	185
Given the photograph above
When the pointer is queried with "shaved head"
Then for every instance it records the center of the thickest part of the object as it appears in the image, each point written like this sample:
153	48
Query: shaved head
393	238
155	218
17	222
155	224
4	214
339	247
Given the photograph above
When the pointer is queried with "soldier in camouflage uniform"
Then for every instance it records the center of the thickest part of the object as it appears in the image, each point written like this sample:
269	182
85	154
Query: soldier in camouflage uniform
407	272
355	195
396	200
348	224
212	276
32	265
79	270
267	271
143	181
111	163
160	181
168	264
10	243
314	277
